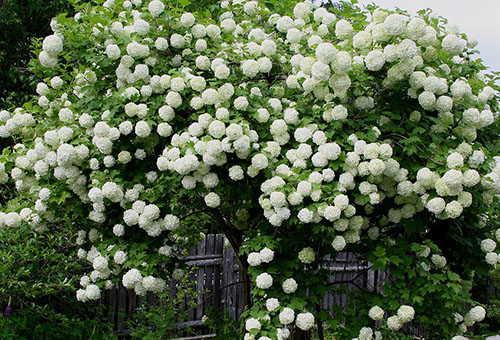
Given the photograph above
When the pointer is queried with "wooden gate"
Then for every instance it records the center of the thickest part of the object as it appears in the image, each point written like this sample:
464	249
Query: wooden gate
216	278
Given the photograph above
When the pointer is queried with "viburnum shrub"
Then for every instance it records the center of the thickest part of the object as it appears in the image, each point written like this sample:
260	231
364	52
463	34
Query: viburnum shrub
298	132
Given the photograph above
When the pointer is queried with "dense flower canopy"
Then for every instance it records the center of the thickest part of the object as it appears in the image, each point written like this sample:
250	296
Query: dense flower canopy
297	131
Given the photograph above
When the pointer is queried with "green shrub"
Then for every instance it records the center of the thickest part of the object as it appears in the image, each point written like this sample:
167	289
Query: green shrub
37	273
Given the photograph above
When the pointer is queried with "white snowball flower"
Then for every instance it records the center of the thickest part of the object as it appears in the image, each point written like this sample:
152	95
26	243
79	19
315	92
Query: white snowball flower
272	304
406	313
212	200
287	316
264	281
119	230
375	60
284	24
289	286
366	333
177	41
92	292
268	47
46	60
343	29
250	68
453	209
492	258
320	71
376	313
113	51
132	278
241	103
436	205
236	173
120	257
477	314
488	245
174	99
252	324
394	323
438	260
307	255
305	215
254	259
187	20
156	7
141	27
52	45
142	129
305	321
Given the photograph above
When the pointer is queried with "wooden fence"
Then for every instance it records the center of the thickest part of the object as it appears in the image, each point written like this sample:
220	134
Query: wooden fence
216	280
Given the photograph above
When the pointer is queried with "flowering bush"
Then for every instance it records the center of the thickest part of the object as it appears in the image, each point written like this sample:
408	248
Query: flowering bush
297	131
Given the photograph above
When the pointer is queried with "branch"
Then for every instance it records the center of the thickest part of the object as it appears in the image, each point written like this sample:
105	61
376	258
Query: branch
211	294
351	281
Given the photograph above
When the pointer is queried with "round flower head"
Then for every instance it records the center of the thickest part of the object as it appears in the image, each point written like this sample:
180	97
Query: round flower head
52	45
304	321
264	281
406	313
252	324
376	313
254	259
272	304
287	316
394	323
307	255
289	286
477	314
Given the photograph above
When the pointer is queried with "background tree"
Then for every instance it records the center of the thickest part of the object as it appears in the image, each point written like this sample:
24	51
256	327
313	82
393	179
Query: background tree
21	21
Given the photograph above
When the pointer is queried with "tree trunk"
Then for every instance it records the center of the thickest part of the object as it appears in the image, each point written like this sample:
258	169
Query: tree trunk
245	288
301	335
320	323
320	331
235	237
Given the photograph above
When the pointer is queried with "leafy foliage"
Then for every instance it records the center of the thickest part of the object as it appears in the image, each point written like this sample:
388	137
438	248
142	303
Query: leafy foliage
37	274
360	130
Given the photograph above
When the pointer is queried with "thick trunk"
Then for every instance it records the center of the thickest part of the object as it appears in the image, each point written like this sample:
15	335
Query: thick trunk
235	237
301	335
320	331
320	324
245	288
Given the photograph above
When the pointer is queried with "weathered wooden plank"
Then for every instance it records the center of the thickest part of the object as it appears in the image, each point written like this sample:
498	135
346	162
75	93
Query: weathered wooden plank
131	302
197	337
192	311
111	301
203	256
122	308
189	324
199	289
225	277
219	248
209	283
204	263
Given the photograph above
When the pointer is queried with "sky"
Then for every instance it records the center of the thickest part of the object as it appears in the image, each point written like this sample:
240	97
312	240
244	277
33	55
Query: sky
478	18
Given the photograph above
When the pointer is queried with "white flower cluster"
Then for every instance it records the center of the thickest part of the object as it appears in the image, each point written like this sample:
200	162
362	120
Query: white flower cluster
264	281
52	47
404	315
266	255
475	314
